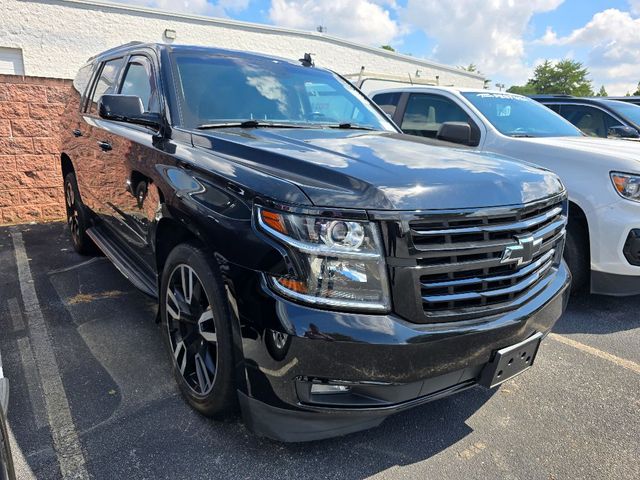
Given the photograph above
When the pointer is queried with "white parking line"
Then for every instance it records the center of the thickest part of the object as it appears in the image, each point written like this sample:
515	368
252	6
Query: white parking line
16	314
33	382
65	437
21	466
621	362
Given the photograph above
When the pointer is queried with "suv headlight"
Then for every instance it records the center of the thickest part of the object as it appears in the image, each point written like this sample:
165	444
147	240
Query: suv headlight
627	185
340	261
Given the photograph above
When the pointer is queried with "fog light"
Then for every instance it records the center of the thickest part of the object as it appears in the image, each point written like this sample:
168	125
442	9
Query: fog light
323	388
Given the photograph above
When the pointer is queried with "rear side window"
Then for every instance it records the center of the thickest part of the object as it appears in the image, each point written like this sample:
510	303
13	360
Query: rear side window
139	80
426	113
106	83
82	79
388	102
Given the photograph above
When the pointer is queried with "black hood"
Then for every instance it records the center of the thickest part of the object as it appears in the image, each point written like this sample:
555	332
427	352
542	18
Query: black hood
382	170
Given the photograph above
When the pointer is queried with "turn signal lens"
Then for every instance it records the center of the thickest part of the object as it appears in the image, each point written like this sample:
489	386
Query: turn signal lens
274	220
293	285
627	185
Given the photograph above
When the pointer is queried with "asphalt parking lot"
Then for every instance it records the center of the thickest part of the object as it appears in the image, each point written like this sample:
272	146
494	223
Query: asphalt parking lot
92	395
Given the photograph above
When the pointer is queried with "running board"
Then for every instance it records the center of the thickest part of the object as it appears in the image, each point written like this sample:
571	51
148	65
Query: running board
123	263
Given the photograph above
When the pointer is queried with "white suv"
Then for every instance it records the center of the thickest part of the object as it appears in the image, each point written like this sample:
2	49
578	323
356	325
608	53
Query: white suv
602	176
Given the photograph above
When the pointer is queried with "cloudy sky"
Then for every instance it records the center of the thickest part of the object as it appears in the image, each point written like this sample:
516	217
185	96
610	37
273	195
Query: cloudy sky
506	39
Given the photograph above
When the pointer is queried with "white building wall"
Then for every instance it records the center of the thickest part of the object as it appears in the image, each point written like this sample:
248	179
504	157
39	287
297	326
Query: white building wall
57	36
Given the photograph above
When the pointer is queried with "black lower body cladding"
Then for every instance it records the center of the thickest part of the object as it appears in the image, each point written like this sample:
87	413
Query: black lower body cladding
334	373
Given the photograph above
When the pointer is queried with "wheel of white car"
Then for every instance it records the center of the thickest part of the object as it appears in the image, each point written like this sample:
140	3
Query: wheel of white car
577	254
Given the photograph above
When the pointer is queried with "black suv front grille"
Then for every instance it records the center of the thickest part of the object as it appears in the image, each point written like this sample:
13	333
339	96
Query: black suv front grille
459	256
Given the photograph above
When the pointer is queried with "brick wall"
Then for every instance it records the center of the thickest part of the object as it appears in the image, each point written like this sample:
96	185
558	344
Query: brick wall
30	178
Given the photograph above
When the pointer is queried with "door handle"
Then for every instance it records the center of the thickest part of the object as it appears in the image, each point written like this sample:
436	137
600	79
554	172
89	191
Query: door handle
105	146
77	133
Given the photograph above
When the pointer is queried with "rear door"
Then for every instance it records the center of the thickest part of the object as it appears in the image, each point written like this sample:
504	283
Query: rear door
93	168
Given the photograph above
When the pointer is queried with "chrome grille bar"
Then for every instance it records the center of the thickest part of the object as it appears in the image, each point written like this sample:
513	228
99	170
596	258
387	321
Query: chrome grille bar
520	225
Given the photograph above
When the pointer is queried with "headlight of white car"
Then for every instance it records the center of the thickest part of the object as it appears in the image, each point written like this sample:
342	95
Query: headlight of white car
340	261
627	185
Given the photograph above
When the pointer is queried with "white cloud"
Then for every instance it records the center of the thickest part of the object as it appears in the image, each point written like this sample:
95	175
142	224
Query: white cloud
364	21
634	5
221	8
488	33
612	41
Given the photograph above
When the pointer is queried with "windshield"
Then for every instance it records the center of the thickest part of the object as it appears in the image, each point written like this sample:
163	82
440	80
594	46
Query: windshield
519	116
628	110
219	89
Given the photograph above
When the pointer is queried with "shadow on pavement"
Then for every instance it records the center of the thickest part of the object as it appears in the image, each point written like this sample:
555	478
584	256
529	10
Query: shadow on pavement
598	314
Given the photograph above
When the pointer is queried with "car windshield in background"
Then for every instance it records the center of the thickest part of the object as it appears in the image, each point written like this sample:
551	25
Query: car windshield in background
628	110
230	90
519	116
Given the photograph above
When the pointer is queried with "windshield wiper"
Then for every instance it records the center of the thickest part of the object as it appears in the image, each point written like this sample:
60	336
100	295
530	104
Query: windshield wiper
351	126
248	124
522	135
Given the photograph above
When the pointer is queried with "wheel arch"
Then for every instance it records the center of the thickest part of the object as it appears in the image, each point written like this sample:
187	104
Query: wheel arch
66	165
576	214
171	232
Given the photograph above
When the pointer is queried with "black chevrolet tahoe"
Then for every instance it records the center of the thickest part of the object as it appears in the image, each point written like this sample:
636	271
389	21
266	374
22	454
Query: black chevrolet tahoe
314	268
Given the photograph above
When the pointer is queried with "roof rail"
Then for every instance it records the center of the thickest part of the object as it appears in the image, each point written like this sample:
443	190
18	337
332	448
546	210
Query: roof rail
115	49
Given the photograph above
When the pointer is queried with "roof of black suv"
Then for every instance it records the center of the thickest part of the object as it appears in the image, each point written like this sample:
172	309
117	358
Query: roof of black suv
189	48
606	103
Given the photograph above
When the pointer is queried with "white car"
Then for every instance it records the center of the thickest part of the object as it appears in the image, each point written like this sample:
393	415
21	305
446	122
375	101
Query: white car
602	176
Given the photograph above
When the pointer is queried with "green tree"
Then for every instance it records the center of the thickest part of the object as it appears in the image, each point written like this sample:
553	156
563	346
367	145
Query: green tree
388	47
566	76
470	68
602	92
637	92
527	89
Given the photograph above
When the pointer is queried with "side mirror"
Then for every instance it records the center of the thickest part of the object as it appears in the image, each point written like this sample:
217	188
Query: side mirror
126	108
623	131
455	132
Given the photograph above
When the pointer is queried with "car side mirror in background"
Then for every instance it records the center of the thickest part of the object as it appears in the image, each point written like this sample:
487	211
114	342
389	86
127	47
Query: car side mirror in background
126	108
623	131
455	132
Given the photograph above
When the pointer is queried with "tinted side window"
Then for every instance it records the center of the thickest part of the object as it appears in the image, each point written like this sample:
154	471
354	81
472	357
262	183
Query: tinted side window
426	113
553	106
106	82
388	102
140	81
592	121
82	79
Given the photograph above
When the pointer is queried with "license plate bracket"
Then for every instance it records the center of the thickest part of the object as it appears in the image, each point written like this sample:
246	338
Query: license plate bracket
511	361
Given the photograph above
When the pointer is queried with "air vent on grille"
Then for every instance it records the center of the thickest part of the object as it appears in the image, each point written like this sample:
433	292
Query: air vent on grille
460	255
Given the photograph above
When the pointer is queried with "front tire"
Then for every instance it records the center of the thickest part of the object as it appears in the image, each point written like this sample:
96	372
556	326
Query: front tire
196	322
577	255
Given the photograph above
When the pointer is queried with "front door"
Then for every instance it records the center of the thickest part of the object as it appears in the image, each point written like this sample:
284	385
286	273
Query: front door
131	195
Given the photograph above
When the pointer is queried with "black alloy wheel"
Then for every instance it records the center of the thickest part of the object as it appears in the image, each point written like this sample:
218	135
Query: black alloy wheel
76	216
191	329
197	326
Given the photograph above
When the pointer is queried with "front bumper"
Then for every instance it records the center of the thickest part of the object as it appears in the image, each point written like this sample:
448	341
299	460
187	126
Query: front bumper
390	363
612	273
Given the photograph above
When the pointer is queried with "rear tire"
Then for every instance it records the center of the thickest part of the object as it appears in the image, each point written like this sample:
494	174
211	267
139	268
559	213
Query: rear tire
577	255
77	217
196	321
